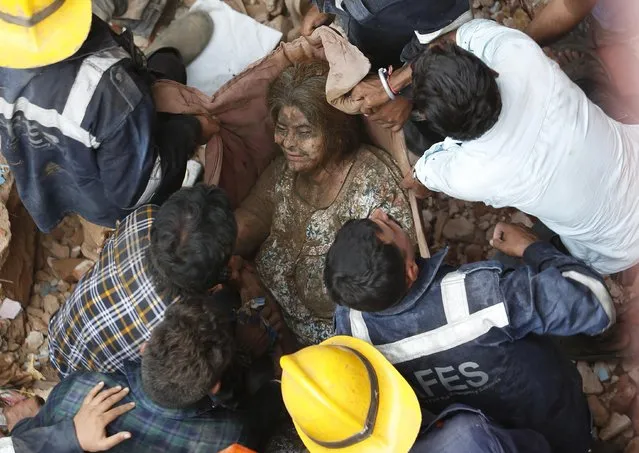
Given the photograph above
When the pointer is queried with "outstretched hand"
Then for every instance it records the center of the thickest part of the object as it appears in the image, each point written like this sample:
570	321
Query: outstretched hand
96	413
511	239
393	114
371	93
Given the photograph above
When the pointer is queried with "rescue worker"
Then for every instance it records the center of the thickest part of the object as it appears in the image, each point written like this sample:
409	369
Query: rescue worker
343	395
78	126
474	335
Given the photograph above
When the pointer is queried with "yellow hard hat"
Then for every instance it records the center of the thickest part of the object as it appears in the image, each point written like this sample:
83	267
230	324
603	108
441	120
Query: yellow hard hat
42	32
344	396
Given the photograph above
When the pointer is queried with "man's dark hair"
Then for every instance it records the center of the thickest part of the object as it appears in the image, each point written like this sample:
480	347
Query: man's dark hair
362	272
456	92
192	239
187	354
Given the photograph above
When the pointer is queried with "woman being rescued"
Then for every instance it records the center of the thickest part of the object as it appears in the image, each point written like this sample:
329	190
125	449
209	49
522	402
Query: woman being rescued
324	177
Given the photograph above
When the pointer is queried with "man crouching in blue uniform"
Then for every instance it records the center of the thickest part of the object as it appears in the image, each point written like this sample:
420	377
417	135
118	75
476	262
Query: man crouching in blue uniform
473	335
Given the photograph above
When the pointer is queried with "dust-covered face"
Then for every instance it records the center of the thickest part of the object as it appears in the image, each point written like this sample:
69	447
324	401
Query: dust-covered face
302	143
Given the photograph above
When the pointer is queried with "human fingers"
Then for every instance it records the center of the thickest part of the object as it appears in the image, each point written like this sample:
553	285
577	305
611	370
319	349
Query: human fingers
94	391
111	441
114	413
104	394
112	399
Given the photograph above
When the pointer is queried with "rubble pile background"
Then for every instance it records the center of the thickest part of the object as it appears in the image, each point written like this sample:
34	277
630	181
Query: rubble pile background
45	268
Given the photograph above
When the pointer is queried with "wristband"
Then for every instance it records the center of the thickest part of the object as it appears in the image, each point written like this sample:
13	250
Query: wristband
382	78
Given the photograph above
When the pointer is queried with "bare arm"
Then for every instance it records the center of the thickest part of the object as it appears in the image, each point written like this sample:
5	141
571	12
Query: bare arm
255	215
557	19
252	230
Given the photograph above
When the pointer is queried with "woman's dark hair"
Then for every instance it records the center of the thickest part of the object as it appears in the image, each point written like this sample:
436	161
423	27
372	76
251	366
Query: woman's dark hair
362	272
456	92
192	239
187	354
304	86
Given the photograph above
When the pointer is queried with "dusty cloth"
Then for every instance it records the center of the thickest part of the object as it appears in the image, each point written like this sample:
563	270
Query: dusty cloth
290	262
245	137
94	238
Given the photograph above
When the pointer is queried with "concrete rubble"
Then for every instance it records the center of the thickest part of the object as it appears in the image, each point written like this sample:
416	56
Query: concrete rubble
43	272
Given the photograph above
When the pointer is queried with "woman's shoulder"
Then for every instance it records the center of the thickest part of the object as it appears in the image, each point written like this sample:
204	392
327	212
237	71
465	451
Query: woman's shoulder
371	161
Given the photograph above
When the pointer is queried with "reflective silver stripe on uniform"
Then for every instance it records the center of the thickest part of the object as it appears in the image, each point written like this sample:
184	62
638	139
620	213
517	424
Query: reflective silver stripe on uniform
152	185
86	82
598	289
454	297
358	326
427	38
339	4
441	339
48	118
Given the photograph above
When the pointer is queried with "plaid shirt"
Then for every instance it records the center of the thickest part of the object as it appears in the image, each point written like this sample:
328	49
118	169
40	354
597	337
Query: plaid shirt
201	428
113	308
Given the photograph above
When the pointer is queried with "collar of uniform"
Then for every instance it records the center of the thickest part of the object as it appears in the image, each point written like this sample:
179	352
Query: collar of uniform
428	268
132	370
100	38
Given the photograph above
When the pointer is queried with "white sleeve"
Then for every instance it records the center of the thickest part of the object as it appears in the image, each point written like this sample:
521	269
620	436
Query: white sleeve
489	41
6	445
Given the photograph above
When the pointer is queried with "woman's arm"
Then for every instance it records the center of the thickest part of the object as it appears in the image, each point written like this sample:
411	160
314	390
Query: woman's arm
255	215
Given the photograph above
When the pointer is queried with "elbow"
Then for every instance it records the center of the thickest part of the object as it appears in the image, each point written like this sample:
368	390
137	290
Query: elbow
598	293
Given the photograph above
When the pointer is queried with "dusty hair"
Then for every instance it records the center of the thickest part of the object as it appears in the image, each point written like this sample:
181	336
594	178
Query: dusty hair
304	86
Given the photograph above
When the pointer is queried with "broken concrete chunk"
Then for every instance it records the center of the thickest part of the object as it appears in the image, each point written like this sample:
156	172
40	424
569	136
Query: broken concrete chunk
459	229
58	250
33	342
82	269
65	268
590	383
616	425
10	309
51	304
600	414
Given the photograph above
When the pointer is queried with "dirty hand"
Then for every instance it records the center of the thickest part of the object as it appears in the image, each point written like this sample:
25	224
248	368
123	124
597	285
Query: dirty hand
371	92
96	413
272	314
411	183
513	240
236	263
253	338
250	284
393	114
313	19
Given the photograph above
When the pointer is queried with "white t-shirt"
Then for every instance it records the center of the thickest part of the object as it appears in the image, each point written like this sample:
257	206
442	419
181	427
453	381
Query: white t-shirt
552	153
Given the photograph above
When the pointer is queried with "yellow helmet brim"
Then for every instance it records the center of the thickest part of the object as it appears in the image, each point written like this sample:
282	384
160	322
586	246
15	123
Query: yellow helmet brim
51	40
399	417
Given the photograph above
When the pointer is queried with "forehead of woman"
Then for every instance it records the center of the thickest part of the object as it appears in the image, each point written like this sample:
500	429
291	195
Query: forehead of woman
302	86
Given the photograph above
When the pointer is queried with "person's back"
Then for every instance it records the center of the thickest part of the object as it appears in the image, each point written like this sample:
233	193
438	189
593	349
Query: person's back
552	153
54	118
155	257
178	389
472	335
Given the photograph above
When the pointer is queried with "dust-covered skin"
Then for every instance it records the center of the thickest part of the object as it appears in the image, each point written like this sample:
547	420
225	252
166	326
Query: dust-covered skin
291	260
301	143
